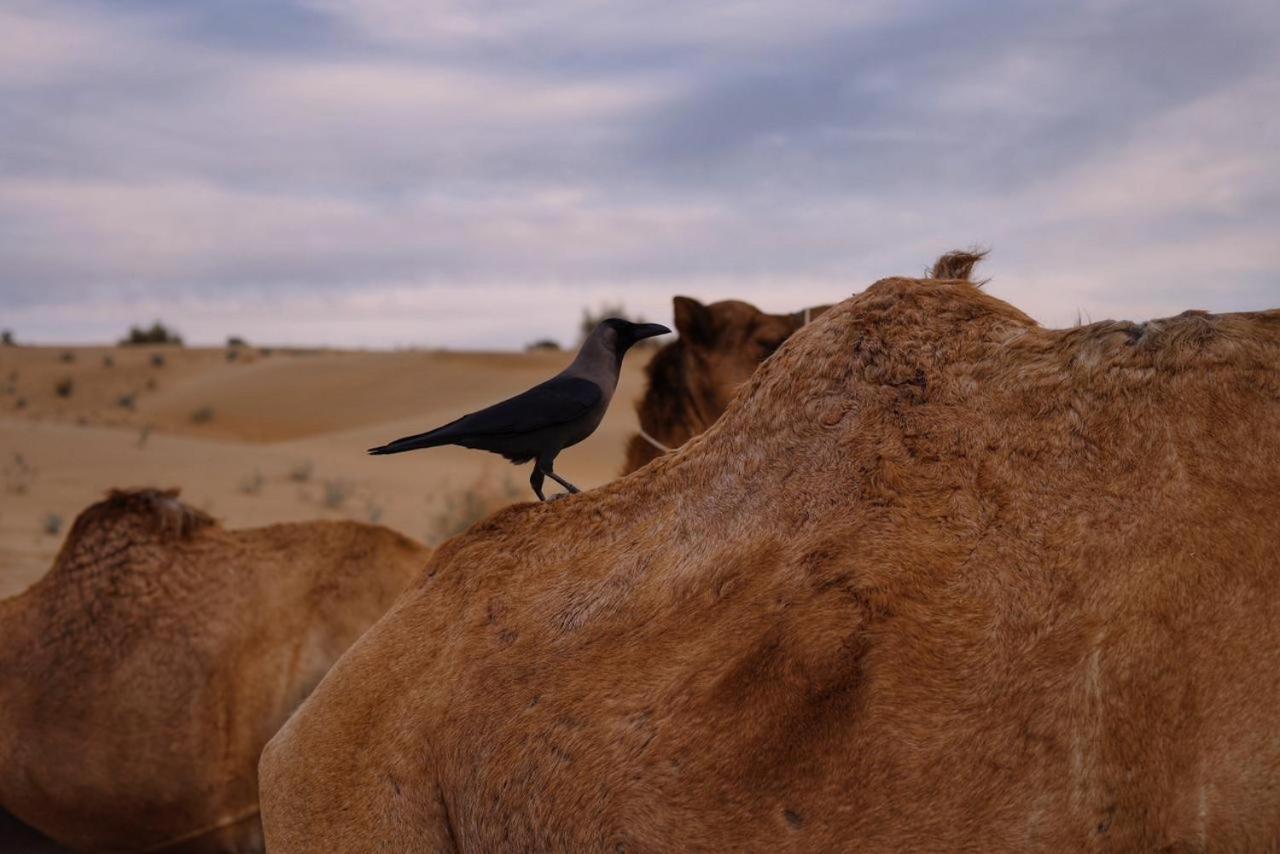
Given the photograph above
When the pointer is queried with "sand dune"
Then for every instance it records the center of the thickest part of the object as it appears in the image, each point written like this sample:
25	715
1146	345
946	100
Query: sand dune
264	439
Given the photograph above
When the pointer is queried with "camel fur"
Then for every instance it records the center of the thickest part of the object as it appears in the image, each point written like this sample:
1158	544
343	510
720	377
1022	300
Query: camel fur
142	675
938	580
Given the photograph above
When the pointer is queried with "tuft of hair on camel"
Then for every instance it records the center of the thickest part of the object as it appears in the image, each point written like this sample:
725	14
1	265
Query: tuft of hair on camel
938	579
143	674
691	380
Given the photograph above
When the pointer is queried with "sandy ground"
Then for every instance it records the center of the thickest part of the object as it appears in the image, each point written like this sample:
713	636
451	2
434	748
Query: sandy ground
266	437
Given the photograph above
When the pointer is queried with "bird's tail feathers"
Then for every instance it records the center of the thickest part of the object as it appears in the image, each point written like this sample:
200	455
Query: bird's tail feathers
430	439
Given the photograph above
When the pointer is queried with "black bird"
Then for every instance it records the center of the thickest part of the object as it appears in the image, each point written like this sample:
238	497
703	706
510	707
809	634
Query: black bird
546	419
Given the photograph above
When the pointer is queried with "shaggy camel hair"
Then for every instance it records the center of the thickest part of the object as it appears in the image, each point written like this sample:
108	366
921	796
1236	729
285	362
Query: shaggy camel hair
938	580
143	674
692	379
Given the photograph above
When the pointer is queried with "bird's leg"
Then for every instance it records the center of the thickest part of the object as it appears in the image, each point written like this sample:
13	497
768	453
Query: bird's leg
546	465
566	484
535	480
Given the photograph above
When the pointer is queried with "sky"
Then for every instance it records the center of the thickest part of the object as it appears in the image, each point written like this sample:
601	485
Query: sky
388	173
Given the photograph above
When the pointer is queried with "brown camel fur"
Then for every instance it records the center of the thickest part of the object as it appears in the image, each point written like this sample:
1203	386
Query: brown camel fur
692	379
143	674
939	580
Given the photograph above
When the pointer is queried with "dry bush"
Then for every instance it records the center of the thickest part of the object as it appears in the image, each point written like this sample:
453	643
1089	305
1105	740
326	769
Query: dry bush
18	474
67	357
203	415
549	345
461	509
64	387
336	493
252	484
157	334
301	473
52	524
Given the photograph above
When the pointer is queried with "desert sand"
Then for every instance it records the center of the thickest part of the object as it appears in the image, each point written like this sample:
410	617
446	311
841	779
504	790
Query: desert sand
266	436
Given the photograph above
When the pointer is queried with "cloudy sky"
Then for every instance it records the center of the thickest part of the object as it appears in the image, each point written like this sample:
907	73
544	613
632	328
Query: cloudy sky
387	172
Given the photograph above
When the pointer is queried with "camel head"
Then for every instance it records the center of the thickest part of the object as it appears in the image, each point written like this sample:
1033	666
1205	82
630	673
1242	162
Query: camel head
723	343
692	380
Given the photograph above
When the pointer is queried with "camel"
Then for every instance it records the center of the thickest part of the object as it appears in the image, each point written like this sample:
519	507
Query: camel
143	674
938	579
692	379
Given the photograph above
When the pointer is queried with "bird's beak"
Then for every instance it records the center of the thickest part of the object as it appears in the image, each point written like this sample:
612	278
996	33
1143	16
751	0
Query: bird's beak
649	330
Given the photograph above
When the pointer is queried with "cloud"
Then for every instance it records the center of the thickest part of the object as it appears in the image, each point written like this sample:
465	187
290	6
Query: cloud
372	170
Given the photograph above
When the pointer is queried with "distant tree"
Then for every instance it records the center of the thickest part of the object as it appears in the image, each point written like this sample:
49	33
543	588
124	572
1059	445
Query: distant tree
157	334
547	344
236	341
6	337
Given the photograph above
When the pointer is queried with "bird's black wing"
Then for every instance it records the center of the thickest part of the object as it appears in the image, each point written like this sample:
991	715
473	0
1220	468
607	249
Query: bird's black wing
556	401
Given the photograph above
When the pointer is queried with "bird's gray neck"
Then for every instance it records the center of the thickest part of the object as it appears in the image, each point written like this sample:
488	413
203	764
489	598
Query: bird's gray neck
598	363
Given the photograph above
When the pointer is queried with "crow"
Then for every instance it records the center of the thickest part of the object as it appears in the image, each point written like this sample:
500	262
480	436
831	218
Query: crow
540	423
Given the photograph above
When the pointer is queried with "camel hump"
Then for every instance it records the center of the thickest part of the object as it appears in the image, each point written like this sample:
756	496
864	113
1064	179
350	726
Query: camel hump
160	509
957	265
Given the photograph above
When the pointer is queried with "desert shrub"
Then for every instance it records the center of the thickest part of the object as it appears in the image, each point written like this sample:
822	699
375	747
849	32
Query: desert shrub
66	356
301	473
6	338
157	360
64	387
336	493
108	361
157	334
373	512
543	344
20	403
252	484
236	341
19	474
127	401
203	415
52	524
463	508
232	355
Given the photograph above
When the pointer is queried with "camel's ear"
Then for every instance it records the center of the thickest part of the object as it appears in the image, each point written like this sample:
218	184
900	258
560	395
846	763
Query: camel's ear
693	319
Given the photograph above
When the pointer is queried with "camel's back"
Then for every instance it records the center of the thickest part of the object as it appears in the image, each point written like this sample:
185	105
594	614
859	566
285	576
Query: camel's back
144	673
939	578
